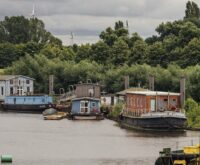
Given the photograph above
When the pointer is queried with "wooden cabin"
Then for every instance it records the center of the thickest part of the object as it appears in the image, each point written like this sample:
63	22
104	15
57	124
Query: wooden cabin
87	90
87	100
140	102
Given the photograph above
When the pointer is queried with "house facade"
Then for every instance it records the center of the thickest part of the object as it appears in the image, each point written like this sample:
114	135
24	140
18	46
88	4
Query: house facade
15	85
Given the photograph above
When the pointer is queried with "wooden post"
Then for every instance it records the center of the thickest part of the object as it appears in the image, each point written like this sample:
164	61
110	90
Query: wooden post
126	82
182	91
51	84
151	82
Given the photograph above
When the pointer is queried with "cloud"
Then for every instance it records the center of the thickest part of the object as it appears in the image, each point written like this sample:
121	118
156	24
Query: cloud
87	18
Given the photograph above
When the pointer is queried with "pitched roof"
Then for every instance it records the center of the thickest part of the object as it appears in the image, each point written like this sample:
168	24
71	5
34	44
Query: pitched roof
9	77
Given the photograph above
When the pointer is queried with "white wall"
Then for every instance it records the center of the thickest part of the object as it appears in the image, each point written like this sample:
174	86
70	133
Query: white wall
22	85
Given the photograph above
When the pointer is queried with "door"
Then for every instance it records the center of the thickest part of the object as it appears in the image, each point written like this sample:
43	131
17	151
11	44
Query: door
84	108
153	105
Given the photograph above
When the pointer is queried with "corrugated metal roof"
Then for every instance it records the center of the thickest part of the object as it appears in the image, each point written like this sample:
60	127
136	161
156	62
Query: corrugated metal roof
131	90
8	77
153	93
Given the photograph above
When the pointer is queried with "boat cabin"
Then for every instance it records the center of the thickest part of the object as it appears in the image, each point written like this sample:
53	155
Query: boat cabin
85	106
87	100
141	102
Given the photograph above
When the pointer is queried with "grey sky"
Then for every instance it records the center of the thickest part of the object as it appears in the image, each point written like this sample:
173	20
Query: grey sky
87	18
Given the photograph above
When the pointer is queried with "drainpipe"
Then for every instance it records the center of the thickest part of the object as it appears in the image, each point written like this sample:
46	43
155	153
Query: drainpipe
168	101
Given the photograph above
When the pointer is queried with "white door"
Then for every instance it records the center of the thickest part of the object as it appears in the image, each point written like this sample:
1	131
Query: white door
153	105
84	108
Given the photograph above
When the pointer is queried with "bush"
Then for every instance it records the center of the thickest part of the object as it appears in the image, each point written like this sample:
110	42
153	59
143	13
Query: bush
116	110
193	113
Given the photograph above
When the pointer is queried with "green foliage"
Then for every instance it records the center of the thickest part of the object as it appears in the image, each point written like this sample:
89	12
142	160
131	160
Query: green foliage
18	29
116	110
193	113
192	10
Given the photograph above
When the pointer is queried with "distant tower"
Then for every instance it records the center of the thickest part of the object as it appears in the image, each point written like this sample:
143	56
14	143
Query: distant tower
33	12
71	39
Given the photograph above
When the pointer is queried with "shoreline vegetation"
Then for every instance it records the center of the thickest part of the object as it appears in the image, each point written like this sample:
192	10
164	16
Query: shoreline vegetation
27	48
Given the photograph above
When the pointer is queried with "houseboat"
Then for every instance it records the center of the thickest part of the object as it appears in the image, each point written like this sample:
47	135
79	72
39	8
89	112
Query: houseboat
27	103
153	110
86	104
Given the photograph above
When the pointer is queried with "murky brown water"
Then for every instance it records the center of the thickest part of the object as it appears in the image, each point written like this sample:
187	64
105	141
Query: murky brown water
33	141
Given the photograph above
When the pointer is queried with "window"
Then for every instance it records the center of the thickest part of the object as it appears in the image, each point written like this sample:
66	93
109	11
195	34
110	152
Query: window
84	106
19	82
93	104
11	91
11	81
28	89
2	91
165	99
27	81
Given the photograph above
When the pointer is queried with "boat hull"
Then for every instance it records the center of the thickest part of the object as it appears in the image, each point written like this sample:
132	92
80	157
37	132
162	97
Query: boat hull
154	123
87	116
23	107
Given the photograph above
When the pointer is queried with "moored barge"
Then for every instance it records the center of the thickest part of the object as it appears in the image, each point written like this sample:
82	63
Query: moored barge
153	110
27	103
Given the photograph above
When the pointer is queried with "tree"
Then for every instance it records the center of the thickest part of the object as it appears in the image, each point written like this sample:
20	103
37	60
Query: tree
139	53
119	52
8	54
192	10
83	52
18	29
100	52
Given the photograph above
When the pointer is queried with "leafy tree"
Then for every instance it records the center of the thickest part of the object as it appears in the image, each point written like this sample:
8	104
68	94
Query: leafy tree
119	52
100	52
8	54
138	53
18	29
192	10
83	52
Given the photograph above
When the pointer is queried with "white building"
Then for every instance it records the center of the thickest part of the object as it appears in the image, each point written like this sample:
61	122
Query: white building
15	85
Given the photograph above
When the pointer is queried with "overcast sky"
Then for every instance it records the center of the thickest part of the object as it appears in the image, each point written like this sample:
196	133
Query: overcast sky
87	18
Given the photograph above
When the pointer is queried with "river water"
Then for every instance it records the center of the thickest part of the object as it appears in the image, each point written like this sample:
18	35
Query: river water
33	141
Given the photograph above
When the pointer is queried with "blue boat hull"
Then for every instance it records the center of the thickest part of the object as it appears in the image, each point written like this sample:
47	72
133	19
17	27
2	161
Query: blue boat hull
23	107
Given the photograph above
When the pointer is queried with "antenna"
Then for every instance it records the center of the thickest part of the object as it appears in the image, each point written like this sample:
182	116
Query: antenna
33	12
127	24
71	38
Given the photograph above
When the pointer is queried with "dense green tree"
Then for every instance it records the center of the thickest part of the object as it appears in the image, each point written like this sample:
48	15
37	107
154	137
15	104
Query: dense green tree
119	52
138	53
84	52
18	29
192	10
100	52
8	54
